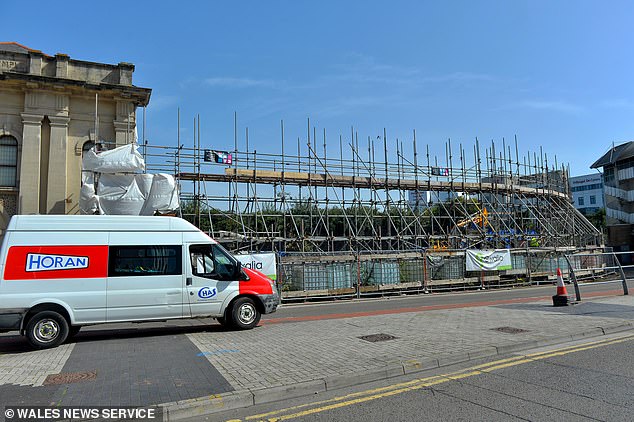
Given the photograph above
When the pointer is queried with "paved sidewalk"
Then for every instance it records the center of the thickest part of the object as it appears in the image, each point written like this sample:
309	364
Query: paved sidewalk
193	368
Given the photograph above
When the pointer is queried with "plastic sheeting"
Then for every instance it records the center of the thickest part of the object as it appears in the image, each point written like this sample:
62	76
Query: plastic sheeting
130	194
163	195
107	190
123	159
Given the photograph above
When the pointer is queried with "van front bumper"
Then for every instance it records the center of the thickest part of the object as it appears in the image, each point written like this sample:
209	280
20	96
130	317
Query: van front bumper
270	302
10	319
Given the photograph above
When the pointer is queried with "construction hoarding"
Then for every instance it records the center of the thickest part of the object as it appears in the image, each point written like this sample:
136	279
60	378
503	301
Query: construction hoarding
488	260
263	262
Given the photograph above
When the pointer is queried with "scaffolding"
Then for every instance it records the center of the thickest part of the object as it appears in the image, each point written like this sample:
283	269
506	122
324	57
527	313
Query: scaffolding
375	195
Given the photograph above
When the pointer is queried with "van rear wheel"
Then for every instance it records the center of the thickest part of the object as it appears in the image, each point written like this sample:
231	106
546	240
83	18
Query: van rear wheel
244	314
47	329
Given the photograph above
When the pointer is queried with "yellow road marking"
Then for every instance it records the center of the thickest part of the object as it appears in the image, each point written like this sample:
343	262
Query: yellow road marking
394	389
346	397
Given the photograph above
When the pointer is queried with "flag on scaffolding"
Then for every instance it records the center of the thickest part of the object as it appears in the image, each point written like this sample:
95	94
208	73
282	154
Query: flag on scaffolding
223	157
439	171
219	157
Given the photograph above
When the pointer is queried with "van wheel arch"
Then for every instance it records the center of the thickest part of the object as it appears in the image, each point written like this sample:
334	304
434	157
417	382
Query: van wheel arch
41	308
229	320
47	329
254	298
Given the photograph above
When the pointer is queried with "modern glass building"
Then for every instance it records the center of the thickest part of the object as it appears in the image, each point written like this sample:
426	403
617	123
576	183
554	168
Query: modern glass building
587	193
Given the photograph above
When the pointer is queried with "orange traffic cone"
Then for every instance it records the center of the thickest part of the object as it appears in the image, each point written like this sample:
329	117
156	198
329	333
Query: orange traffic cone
561	298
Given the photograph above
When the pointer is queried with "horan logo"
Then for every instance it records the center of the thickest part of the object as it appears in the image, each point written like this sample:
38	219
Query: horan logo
47	262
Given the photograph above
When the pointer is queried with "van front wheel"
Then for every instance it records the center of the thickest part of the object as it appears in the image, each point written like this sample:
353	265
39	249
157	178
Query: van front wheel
244	314
47	329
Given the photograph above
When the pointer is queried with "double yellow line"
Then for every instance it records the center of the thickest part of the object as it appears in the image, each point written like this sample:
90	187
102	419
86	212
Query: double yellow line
394	389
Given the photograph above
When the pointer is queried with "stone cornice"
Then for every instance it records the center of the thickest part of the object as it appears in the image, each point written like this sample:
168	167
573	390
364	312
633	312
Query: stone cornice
58	121
138	95
32	119
121	125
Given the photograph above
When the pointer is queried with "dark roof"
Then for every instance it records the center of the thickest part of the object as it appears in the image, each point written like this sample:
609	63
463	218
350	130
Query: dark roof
14	47
614	154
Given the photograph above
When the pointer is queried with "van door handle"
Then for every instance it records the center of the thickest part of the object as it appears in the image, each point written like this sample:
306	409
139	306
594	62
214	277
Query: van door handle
188	281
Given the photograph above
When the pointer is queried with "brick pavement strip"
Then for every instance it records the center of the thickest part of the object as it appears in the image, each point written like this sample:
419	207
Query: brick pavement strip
32	368
278	356
296	351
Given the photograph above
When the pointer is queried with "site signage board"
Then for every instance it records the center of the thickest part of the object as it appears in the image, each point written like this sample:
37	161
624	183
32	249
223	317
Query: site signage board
488	260
263	262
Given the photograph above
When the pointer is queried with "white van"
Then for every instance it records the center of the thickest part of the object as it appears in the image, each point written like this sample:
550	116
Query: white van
60	272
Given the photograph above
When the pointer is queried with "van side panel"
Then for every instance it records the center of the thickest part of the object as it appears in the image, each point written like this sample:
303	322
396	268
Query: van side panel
143	293
43	262
56	267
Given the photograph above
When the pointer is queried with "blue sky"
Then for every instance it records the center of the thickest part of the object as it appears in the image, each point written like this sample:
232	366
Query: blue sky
556	74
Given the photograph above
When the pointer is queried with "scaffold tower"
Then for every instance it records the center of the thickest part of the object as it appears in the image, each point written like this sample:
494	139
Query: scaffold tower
374	194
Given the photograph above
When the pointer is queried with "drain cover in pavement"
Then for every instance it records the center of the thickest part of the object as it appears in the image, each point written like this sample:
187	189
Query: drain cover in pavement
373	338
69	377
509	330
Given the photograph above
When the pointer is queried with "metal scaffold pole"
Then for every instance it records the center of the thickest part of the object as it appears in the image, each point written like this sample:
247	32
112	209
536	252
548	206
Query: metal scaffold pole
320	203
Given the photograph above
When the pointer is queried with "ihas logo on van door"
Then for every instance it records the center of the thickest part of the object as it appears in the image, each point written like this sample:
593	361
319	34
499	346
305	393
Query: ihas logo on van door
45	262
51	262
206	293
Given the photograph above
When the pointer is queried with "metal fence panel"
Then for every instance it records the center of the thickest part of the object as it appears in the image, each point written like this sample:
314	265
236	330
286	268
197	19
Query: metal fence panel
331	275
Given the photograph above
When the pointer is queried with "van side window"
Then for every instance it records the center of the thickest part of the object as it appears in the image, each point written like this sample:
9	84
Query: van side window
202	260
125	261
212	261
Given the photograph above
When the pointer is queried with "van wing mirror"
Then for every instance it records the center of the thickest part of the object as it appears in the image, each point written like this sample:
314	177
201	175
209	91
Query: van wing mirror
241	275
244	276
238	270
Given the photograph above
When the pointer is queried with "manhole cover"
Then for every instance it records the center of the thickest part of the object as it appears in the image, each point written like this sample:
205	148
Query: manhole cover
373	338
70	377
509	330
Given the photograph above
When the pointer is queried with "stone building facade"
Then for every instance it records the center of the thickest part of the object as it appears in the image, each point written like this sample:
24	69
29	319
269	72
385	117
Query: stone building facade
48	109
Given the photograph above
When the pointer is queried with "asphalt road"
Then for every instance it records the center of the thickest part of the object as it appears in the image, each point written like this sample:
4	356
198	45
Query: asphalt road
586	380
371	306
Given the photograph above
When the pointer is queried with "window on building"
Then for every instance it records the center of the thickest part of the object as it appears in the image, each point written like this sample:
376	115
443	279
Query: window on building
593	199
8	161
580	200
608	174
586	187
144	261
624	164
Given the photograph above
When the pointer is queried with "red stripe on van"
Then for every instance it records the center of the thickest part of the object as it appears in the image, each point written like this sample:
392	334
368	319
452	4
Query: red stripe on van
46	262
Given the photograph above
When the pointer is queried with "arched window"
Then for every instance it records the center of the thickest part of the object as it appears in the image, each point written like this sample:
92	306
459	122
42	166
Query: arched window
8	161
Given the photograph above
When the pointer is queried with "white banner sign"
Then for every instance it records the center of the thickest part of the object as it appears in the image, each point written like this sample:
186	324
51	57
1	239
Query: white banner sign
488	260
263	262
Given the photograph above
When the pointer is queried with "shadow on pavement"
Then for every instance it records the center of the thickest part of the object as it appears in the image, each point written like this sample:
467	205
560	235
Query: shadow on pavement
15	343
